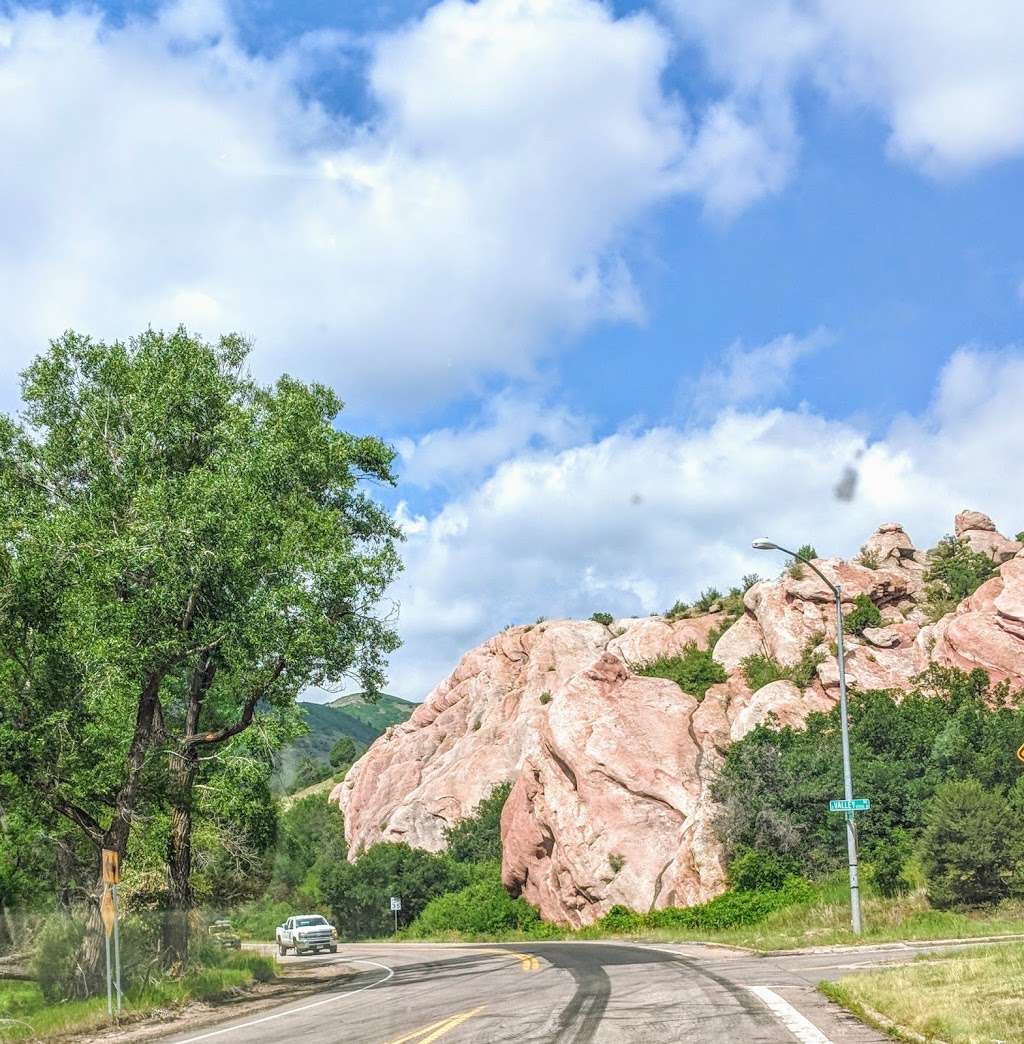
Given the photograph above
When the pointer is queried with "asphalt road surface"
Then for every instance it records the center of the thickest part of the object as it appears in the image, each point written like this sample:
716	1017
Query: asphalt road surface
566	992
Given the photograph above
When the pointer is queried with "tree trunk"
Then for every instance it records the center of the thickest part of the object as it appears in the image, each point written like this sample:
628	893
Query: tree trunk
181	898
182	771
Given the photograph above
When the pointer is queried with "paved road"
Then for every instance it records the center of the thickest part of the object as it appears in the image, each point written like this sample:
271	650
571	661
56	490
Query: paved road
566	992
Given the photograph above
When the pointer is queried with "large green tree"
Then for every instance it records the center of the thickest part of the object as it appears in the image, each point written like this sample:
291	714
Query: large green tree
182	551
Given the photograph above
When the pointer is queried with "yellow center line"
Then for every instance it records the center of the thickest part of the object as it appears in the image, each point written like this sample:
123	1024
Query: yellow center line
526	960
436	1029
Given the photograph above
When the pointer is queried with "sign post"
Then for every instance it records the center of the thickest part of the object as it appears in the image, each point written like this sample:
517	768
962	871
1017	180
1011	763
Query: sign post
109	912
396	905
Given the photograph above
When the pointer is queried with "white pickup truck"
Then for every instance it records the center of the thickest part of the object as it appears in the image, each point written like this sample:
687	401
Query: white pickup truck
308	933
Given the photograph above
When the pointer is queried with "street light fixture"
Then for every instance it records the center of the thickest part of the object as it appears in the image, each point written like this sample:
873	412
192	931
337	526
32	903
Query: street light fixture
764	544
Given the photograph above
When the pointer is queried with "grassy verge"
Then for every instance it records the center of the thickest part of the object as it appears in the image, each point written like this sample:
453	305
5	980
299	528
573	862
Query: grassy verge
819	916
26	1015
961	998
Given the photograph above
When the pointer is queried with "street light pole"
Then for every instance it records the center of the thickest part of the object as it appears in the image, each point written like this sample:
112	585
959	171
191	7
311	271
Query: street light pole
851	826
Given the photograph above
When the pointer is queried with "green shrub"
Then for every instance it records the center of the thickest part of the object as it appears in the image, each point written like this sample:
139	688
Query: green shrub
603	618
796	567
760	669
1020	537
774	785
679	610
887	869
55	962
480	908
693	670
706	600
735	909
620	920
748	581
477	838
868	558
545	697
954	572
756	870
359	892
965	854
864	614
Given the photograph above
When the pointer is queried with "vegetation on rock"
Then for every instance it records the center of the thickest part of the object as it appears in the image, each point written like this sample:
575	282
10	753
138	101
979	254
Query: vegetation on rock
864	614
955	571
694	670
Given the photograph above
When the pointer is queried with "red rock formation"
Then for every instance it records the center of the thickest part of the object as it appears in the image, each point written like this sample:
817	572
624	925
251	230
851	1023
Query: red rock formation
611	771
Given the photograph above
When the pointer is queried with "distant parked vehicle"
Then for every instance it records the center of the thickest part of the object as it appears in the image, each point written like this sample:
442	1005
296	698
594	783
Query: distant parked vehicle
308	933
223	934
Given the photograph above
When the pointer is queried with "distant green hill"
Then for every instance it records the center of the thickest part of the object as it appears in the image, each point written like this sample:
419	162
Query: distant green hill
348	715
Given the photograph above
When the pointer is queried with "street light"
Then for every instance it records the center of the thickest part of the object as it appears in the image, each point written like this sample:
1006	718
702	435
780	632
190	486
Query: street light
763	544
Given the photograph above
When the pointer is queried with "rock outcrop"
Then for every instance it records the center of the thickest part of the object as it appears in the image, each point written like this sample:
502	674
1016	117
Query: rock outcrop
611	770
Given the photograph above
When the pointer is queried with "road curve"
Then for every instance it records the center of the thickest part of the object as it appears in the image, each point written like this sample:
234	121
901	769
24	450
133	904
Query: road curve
565	992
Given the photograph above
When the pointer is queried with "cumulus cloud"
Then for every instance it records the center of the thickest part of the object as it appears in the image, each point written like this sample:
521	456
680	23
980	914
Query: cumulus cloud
156	172
630	523
754	375
945	77
509	424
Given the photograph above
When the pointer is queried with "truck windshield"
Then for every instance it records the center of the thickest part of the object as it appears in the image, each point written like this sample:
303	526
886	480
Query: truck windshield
308	922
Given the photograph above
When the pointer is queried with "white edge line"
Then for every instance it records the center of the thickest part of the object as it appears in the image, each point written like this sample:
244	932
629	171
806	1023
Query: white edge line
305	1007
801	1027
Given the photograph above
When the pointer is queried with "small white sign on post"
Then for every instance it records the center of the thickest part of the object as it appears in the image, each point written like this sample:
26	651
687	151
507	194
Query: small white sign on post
396	905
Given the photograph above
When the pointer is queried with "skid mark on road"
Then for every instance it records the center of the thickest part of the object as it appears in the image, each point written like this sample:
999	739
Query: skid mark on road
334	998
426	1034
799	1025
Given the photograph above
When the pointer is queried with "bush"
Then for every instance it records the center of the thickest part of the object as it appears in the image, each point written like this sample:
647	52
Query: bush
760	669
477	838
965	854
55	963
868	558
693	670
735	909
796	567
359	892
954	572
545	697
864	614
1020	537
774	785
887	869
754	870
481	908
706	600
603	618
344	752
679	610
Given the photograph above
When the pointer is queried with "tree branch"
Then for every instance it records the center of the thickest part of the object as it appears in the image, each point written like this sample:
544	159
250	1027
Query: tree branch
244	719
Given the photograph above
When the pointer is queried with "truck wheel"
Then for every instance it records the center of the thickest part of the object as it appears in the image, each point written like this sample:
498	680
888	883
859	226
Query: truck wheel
334	949
282	950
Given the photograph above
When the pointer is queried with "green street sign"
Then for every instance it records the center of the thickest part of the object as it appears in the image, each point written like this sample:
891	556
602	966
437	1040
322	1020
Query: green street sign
854	805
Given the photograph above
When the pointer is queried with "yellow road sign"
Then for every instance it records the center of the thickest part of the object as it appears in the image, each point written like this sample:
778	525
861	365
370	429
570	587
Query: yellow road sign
107	910
1020	752
111	867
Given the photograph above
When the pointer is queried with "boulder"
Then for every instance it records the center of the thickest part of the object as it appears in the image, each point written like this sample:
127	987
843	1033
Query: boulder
890	541
979	532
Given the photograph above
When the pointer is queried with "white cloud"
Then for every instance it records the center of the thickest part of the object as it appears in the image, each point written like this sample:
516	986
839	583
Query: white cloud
945	77
157	172
509	424
754	375
632	522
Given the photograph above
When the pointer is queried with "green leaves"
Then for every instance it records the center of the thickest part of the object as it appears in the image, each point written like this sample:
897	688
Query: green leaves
167	522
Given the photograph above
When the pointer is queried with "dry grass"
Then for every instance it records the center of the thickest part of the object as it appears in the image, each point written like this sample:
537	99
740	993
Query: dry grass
974	997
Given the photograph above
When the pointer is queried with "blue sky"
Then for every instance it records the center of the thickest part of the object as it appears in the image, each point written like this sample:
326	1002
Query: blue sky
625	284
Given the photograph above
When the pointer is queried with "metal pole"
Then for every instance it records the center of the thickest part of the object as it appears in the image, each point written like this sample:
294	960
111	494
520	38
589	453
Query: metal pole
110	1000
851	826
117	948
396	922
